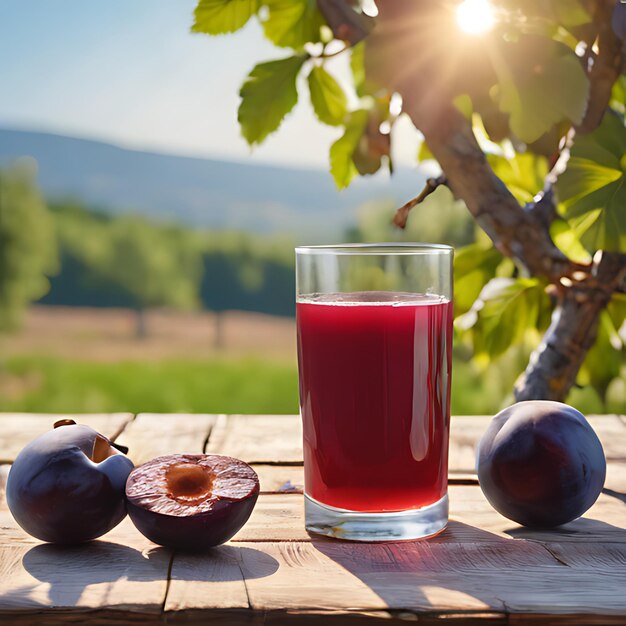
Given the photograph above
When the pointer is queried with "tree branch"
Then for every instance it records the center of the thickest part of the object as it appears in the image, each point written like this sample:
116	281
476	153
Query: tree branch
555	363
514	231
544	208
606	67
402	214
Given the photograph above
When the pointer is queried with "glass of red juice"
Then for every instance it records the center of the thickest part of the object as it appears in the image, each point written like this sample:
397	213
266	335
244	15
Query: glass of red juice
374	355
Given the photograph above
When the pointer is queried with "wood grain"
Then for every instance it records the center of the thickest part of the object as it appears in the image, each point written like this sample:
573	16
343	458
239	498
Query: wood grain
414	576
482	569
280	517
279	478
259	438
152	434
278	439
4	474
100	575
18	429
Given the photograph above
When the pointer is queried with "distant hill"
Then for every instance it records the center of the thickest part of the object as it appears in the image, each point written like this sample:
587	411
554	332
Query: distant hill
200	192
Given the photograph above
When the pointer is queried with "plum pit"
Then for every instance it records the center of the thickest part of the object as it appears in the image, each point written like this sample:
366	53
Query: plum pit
189	483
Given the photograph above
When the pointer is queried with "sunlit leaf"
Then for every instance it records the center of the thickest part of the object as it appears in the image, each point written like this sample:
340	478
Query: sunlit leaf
505	309
267	95
474	266
342	165
617	310
540	92
293	23
424	153
357	65
215	17
524	174
603	361
570	12
327	97
618	95
374	144
568	242
592	190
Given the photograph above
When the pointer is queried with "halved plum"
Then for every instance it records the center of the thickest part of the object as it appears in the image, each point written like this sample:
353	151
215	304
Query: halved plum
191	501
67	486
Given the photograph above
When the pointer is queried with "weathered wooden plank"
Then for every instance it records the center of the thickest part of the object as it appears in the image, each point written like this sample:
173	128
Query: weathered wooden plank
383	618
216	579
152	434
258	438
129	575
279	478
466	431
278	439
414	576
18	429
280	517
616	477
4	474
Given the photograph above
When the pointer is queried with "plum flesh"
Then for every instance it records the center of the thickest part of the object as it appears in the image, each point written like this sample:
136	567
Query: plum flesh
541	464
191	501
67	486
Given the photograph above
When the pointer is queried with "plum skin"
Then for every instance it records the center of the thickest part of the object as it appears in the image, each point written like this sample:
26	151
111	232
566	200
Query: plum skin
191	501
541	464
195	532
56	493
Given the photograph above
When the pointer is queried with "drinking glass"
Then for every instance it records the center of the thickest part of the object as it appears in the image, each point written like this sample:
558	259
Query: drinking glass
374	355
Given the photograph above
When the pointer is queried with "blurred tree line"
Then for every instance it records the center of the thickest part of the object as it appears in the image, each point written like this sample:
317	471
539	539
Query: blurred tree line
129	261
74	256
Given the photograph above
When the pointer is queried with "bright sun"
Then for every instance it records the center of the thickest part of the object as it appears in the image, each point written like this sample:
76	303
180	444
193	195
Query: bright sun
475	17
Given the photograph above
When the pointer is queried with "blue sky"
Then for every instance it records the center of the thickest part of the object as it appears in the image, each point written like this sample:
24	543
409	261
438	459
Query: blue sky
130	72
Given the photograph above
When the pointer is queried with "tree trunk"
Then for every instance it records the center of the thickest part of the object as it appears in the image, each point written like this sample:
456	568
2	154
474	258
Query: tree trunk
218	331
584	291
553	366
141	324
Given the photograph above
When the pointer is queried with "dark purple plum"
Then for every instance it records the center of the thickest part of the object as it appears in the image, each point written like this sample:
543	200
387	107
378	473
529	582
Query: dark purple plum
541	464
191	501
67	486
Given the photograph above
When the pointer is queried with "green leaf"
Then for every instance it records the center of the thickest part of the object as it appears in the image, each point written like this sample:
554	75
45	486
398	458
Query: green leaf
424	153
327	97
293	23
357	65
474	265
216	17
267	95
541	92
570	12
342	165
505	309
618	95
617	310
592	190
603	361
568	242
524	174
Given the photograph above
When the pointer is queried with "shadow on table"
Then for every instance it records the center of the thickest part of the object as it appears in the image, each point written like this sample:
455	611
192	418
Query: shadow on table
582	528
466	568
69	570
421	575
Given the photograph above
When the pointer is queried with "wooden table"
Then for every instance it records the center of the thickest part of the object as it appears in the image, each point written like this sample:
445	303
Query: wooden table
482	569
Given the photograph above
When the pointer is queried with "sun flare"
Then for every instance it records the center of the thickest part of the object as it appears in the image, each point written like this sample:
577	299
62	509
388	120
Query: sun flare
475	17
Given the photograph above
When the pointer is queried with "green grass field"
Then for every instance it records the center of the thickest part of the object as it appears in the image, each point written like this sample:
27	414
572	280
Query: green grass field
229	385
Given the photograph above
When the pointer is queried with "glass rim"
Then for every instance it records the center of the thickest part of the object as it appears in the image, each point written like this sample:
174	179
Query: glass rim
387	248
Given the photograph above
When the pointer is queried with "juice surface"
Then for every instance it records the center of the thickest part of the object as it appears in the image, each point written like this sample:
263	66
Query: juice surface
375	398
